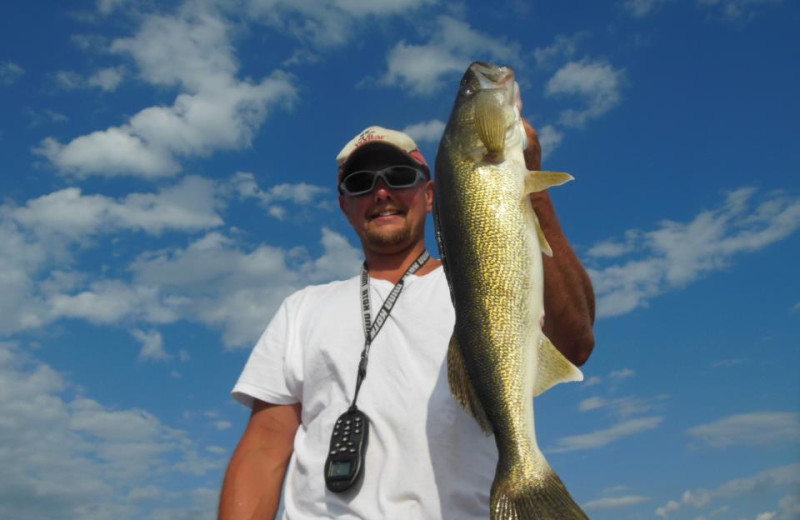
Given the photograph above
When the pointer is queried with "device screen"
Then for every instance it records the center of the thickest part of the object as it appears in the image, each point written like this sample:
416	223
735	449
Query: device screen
340	468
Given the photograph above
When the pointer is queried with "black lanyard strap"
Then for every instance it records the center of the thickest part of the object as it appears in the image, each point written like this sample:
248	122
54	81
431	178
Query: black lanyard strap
371	329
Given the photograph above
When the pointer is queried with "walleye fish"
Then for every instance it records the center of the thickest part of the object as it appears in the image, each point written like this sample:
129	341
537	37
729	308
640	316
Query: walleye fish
491	245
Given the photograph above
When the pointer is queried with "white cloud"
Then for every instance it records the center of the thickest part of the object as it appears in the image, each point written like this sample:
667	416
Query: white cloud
302	195
563	47
145	493
215	282
74	458
592	381
737	10
750	429
549	139
152	345
190	50
108	152
642	8
20	258
90	42
41	240
675	253
106	7
423	68
789	507
624	373
107	79
623	407
189	205
106	302
326	23
724	363
299	193
605	436
42	116
610	249
426	131
615	502
10	72
665	510
592	403
767	480
596	83
68	79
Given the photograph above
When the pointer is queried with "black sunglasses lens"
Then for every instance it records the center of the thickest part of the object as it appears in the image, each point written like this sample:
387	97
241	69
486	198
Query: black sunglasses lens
359	182
401	176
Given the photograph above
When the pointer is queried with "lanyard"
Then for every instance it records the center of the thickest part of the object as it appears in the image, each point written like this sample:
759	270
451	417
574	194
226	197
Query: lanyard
371	329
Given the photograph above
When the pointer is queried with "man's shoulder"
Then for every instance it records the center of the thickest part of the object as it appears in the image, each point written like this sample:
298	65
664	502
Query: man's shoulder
322	292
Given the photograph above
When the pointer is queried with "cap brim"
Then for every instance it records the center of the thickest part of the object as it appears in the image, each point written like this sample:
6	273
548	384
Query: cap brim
390	152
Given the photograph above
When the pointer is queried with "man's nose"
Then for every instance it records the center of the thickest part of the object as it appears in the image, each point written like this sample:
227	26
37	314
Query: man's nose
382	190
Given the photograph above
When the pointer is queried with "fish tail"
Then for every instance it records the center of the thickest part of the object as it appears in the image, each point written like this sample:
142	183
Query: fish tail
533	499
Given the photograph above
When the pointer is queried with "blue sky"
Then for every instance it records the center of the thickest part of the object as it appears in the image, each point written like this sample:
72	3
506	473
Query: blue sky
167	179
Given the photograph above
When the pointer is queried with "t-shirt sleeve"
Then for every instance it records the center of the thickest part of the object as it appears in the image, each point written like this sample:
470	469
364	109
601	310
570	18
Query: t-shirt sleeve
266	373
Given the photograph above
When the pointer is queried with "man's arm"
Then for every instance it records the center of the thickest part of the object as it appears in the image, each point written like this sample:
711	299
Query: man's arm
568	293
252	485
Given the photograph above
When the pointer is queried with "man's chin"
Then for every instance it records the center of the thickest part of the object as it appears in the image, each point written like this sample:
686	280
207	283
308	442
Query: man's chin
388	238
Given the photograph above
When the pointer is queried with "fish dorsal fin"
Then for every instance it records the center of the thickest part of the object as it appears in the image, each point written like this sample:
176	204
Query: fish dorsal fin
537	181
553	368
461	386
490	124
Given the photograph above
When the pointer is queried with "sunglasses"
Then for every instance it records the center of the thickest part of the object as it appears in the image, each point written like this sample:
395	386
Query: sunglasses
396	177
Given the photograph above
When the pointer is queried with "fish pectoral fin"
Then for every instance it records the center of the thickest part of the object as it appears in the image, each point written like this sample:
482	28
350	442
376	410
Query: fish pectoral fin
537	181
461	386
490	124
553	368
544	245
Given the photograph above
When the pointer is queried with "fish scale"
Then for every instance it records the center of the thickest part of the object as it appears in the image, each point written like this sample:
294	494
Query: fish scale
491	248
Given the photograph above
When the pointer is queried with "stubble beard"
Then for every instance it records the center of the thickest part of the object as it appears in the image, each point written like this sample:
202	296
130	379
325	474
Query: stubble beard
379	238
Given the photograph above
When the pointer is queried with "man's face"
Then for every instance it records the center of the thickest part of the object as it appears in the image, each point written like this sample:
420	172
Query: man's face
387	220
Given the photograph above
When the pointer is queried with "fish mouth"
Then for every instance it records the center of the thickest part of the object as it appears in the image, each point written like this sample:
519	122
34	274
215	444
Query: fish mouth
499	78
490	75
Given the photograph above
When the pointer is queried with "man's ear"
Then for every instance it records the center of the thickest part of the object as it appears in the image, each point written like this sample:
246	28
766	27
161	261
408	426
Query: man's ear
429	196
341	207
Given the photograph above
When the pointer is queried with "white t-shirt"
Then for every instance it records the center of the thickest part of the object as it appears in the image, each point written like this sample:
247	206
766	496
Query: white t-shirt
426	457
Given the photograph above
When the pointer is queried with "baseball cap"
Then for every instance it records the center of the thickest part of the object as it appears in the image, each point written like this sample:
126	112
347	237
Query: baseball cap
375	136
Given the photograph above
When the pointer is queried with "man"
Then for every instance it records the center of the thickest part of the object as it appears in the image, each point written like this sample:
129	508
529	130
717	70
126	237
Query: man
426	458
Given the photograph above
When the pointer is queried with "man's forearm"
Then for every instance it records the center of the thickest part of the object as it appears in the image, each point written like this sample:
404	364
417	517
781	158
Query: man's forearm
568	293
252	486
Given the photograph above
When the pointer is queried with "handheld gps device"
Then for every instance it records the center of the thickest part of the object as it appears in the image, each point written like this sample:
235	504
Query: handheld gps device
344	466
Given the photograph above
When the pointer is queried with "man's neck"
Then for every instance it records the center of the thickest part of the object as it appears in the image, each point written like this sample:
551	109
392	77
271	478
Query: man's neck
392	267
